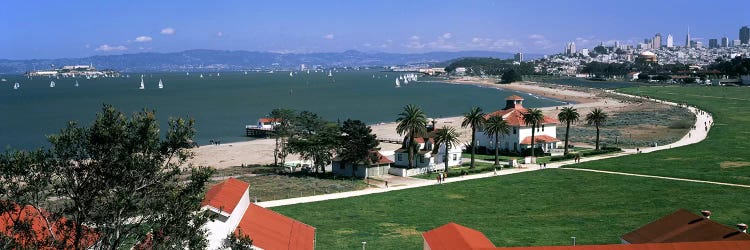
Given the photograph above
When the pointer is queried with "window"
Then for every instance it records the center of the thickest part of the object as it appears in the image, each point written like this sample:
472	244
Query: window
398	157
421	159
514	130
341	165
455	157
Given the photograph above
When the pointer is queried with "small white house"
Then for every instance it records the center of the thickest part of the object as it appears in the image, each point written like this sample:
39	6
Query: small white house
519	138
428	156
377	166
228	200
268	123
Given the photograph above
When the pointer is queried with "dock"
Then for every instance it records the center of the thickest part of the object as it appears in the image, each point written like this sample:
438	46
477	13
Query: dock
255	131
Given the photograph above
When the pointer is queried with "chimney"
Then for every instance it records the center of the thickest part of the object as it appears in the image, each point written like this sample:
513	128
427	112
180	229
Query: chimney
706	214
742	227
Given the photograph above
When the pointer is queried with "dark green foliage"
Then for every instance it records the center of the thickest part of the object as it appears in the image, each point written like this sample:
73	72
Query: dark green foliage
412	122
357	142
238	242
490	66
735	67
475	120
510	76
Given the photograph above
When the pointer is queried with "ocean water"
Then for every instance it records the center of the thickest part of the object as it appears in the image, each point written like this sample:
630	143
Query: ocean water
222	106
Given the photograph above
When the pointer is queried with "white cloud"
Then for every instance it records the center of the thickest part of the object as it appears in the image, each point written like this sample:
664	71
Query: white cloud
108	48
219	34
415	37
167	31
143	39
87	46
447	35
329	36
536	37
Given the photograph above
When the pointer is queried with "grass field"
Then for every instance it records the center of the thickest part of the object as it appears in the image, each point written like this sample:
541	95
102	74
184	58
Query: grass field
724	156
535	208
548	207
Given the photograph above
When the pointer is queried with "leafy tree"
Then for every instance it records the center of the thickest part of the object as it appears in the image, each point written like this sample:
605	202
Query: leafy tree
596	117
282	131
238	241
412	122
475	120
533	117
568	115
496	126
357	142
510	76
316	140
449	137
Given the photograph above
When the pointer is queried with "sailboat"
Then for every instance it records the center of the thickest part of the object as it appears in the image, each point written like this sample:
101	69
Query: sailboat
76	83
218	74
291	73
161	85
52	84
201	75
245	72
308	71
3	80
330	73
187	73
142	85
398	83
16	86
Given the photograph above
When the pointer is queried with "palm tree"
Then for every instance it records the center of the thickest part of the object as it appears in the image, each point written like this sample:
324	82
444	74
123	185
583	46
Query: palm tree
597	117
496	126
568	115
412	122
449	137
533	117
475	119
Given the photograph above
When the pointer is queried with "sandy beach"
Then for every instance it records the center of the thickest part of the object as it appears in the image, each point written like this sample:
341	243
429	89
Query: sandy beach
260	151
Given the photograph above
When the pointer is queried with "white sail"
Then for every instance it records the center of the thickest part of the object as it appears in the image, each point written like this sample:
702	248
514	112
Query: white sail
218	74
291	73
143	86
330	73
308	71
245	72
16	86
201	75
76	83
161	85
52	84
187	73
4	80
406	81
398	83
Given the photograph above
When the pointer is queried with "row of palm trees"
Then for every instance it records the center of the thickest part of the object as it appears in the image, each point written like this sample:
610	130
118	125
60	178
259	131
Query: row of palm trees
413	122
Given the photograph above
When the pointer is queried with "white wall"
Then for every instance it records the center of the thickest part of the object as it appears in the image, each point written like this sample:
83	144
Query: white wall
506	141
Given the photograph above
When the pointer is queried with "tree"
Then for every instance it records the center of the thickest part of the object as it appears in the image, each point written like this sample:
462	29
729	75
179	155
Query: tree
510	76
533	117
282	131
121	177
449	137
238	241
475	120
496	126
596	117
316	140
568	115
412	122
357	142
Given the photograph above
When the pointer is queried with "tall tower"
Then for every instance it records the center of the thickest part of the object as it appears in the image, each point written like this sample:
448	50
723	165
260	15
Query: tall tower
570	48
725	42
687	39
656	43
744	35
670	41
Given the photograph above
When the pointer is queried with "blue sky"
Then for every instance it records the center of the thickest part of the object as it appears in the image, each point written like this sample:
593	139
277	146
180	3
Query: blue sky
54	29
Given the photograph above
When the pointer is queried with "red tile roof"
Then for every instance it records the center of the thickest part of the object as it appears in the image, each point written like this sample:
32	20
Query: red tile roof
267	120
706	245
539	139
514	98
683	226
271	230
40	229
382	159
514	116
454	236
225	196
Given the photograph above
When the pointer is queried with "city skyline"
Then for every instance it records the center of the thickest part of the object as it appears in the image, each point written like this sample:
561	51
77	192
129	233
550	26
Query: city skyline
88	28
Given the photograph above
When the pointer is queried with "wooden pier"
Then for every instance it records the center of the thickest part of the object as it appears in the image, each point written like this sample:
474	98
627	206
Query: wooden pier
255	131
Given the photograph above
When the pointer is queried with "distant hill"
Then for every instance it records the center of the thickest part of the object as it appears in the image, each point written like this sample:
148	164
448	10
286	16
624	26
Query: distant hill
215	60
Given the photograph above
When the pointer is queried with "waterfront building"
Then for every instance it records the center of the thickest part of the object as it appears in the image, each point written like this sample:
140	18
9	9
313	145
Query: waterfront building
377	165
428	156
656	42
713	43
744	35
670	41
519	138
724	42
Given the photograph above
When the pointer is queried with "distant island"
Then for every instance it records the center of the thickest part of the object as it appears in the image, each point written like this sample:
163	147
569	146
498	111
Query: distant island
87	71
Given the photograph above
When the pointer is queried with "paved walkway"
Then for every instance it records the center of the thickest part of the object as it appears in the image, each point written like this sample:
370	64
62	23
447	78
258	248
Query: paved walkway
659	177
703	123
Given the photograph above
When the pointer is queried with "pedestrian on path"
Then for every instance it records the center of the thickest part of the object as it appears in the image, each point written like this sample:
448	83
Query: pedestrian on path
443	176
438	177
386	184
545	165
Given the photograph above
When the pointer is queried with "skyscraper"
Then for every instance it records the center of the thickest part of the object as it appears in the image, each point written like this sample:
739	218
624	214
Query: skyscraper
670	41
570	48
687	39
713	43
656	43
745	35
519	57
725	42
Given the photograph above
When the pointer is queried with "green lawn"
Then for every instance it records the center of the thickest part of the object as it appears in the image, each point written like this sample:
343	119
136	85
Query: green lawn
724	156
534	208
548	207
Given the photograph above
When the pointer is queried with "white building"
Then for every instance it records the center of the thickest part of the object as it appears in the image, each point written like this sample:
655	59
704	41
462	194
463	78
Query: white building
267	123
670	41
428	156
519	138
228	201
378	165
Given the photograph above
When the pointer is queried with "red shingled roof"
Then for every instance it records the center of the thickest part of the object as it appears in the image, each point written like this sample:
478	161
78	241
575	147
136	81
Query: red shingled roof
454	236
271	230
514	116
514	98
539	139
382	159
40	229
706	245
683	226
225	196
267	120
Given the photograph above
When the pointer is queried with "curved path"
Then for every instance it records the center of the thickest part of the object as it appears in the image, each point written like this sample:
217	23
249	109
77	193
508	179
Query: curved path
703	123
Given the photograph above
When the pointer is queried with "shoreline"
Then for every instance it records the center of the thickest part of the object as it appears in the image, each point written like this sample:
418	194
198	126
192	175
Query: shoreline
260	151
